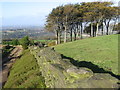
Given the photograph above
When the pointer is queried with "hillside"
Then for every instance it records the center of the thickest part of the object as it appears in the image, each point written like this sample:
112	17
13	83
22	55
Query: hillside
25	73
46	68
100	51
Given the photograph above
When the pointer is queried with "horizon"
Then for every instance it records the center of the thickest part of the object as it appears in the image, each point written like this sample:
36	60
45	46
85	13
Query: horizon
30	13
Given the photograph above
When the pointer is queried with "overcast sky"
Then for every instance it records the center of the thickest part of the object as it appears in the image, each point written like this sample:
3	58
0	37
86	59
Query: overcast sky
27	12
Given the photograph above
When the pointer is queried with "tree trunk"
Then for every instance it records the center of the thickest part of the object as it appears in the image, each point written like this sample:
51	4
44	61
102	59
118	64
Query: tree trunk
74	32
97	29
81	30
91	33
114	25
77	31
102	29
71	34
59	34
59	38
65	35
65	32
107	28
94	33
56	37
74	35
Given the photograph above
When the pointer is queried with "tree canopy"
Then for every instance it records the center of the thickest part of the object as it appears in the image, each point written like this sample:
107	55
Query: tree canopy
72	19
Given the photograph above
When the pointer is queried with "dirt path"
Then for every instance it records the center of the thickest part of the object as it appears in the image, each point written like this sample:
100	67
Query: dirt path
6	66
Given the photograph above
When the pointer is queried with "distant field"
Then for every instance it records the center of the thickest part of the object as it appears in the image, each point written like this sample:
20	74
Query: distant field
43	40
101	51
25	73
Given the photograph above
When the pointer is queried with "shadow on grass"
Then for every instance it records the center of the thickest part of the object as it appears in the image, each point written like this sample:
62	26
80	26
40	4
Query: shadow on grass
8	60
93	67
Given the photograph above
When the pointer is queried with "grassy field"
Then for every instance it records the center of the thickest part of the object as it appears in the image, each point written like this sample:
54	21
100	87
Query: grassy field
101	51
25	73
43	41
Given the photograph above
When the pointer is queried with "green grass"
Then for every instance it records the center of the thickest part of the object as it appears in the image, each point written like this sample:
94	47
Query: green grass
101	51
25	73
43	41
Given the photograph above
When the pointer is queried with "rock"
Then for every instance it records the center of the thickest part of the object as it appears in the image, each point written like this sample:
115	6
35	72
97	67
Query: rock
45	45
81	70
72	69
35	47
77	74
84	71
61	73
100	80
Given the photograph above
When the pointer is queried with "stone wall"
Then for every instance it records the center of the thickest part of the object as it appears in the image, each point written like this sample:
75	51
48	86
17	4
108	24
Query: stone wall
61	73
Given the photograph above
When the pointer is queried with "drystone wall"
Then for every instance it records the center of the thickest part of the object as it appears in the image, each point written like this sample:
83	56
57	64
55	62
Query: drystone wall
61	73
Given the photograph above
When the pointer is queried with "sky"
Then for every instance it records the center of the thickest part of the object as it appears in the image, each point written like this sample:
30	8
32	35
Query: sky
27	12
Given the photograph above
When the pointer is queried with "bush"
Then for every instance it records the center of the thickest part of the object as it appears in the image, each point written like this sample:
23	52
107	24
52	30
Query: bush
51	43
11	42
25	42
15	42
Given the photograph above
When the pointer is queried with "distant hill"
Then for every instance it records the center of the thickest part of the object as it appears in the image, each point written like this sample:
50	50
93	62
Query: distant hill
11	32
17	27
101	51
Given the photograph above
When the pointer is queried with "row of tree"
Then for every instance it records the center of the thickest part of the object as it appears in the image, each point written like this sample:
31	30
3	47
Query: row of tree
11	42
76	19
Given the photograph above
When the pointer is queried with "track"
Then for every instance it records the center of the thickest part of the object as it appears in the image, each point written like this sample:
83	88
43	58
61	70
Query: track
4	73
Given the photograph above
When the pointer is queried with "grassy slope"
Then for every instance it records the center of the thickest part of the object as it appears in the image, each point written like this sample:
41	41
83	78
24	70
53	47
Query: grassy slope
101	51
25	73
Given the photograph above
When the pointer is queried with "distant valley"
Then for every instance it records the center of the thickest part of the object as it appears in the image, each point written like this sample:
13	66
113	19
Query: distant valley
9	33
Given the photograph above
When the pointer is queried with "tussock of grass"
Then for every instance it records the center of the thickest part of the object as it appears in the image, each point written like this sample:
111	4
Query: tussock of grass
25	73
101	51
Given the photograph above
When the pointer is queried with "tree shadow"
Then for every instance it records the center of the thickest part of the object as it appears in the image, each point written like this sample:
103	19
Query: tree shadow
90	65
15	57
8	60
